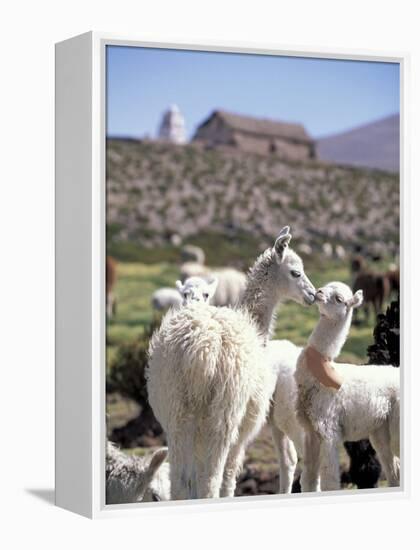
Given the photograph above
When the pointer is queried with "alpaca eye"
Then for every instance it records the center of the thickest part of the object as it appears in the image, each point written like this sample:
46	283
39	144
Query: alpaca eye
339	299
185	294
296	274
205	295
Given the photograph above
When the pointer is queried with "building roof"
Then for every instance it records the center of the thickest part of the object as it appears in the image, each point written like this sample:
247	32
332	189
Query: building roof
262	126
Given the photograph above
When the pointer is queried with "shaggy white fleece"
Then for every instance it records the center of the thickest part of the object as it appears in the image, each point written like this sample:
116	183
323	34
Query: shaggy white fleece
217	377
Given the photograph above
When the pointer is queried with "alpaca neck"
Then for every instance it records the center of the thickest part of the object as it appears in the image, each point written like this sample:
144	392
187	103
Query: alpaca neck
262	296
329	336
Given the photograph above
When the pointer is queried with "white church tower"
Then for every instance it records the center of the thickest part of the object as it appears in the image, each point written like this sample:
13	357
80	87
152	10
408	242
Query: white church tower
172	127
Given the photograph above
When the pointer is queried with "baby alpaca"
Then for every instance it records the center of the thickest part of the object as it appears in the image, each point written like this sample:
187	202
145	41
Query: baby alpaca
135	479
342	402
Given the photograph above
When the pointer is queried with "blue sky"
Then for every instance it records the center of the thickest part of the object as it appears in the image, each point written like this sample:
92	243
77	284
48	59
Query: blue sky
326	96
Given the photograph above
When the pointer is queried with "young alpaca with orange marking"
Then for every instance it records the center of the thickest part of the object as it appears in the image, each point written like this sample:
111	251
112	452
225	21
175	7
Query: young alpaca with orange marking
352	402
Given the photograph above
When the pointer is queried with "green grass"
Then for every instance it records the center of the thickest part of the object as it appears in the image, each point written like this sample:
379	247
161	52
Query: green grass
136	283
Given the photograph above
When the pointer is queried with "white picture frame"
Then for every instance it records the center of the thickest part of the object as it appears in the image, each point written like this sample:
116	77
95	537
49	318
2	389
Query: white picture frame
80	277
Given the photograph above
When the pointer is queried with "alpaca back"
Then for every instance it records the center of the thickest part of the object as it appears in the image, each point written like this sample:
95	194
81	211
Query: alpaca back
202	357
368	397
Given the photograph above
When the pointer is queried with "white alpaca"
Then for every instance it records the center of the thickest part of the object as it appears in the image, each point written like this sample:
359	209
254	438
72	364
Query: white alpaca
165	298
342	402
196	289
208	381
136	479
230	288
193	269
191	253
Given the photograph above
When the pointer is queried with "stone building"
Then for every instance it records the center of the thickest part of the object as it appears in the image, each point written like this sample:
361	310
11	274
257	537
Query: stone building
172	127
256	135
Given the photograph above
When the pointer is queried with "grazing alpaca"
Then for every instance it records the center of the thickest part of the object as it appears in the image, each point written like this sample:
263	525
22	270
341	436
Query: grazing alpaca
111	279
164	298
340	402
135	479
208	382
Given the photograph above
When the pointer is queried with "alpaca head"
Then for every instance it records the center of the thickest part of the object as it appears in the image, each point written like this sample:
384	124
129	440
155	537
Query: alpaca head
289	273
336	300
132	478
196	289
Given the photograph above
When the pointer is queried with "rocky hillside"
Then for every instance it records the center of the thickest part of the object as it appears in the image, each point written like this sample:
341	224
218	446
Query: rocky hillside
375	145
156	191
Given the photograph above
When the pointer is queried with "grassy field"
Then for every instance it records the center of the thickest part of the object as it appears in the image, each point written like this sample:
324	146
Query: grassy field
137	282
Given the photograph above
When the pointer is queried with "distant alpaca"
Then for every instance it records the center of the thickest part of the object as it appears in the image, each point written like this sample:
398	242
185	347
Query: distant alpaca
230	288
191	253
165	298
375	286
340	402
111	279
208	382
135	479
194	289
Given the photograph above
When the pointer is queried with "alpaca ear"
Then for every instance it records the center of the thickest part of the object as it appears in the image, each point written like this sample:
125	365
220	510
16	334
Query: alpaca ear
157	459
357	299
212	286
179	286
282	241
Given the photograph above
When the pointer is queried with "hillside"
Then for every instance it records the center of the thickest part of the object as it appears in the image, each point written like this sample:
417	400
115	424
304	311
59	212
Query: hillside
156	190
374	145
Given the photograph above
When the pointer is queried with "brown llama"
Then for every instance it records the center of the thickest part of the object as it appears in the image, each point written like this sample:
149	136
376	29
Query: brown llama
375	286
393	275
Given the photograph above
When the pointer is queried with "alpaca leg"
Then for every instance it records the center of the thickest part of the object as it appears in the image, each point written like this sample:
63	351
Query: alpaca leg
209	474
309	479
287	459
381	442
330	466
232	469
210	453
178	474
251	425
180	446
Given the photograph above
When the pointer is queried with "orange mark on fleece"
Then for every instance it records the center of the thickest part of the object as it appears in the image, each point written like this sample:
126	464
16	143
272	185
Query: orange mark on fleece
320	367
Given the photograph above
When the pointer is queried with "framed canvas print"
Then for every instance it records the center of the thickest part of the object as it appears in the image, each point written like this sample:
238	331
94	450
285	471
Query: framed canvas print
231	289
